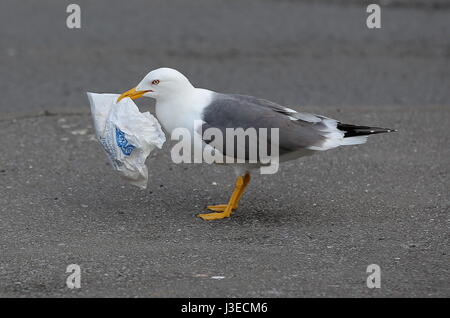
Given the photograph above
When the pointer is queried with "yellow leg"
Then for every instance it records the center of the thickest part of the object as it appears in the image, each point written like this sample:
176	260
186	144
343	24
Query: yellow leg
226	209
222	207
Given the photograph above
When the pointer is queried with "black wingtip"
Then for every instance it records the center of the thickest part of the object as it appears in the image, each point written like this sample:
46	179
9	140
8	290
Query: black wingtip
354	130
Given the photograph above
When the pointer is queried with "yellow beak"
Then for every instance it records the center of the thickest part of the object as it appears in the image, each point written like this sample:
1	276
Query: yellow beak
133	94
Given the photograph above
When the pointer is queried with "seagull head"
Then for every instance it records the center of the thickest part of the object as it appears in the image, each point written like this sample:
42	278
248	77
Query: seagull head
158	84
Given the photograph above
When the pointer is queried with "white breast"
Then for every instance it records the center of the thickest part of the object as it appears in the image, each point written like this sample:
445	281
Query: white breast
181	111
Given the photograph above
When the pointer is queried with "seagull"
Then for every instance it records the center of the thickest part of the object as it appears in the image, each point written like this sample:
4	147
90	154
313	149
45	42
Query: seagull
179	104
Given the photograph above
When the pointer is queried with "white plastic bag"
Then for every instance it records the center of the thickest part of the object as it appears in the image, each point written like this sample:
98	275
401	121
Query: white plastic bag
127	135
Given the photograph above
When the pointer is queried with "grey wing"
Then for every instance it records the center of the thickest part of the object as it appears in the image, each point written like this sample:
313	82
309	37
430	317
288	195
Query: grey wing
297	130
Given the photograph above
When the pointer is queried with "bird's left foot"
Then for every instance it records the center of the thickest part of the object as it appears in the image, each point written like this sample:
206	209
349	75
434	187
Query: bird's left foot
225	210
215	216
220	207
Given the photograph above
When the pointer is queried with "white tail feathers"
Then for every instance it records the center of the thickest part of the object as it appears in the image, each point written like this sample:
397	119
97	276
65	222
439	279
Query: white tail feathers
334	142
357	140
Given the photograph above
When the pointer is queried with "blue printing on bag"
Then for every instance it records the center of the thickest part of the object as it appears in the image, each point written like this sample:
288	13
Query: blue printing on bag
122	142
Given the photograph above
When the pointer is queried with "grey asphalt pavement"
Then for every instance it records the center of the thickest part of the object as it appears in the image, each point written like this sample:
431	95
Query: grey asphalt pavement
310	230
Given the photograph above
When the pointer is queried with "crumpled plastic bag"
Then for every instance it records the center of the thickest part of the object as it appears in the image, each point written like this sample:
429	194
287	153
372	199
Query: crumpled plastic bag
127	135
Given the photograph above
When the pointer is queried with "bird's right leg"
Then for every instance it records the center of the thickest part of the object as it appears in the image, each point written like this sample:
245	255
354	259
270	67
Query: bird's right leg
240	192
237	193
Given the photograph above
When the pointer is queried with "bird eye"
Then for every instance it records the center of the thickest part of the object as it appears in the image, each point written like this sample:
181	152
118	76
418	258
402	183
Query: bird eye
155	82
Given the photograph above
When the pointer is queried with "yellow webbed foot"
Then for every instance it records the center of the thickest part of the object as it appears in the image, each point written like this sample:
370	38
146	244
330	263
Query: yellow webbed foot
225	210
214	216
219	207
